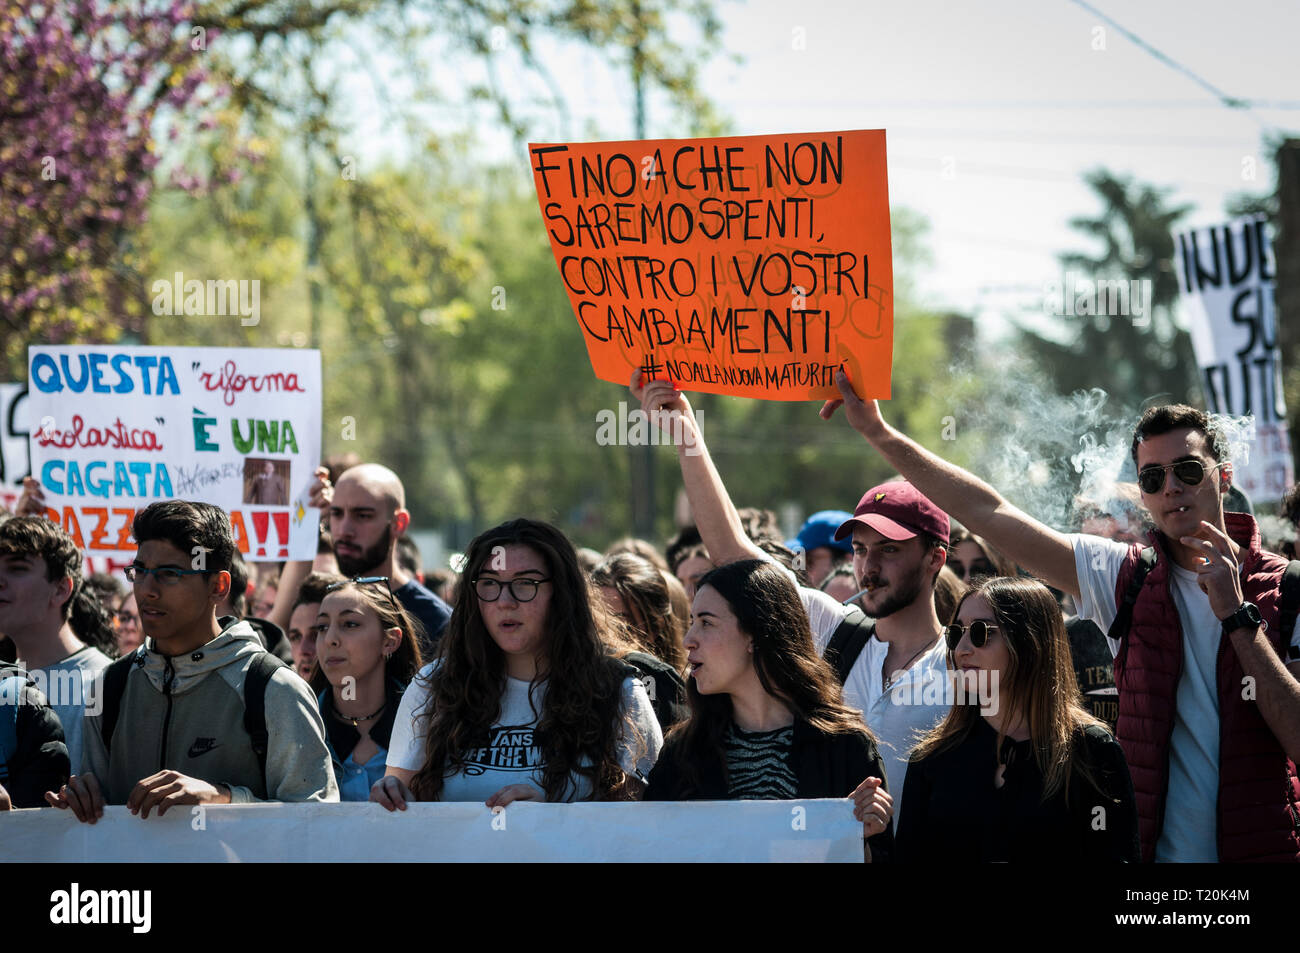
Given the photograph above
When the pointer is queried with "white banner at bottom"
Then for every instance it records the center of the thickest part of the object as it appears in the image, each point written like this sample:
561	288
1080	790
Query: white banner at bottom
656	832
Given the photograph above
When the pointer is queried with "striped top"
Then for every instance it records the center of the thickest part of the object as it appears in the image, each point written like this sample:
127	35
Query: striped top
758	764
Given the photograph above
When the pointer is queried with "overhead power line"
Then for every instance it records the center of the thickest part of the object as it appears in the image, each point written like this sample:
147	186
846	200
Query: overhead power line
1232	102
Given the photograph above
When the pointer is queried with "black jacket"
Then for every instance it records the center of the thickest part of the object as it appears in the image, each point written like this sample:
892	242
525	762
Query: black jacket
39	762
824	765
956	814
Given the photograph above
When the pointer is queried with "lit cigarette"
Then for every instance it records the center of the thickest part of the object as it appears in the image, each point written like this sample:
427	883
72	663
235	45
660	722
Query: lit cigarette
857	594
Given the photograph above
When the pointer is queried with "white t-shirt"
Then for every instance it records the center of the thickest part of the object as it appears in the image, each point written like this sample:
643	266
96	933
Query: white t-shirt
70	687
511	756
1190	828
914	705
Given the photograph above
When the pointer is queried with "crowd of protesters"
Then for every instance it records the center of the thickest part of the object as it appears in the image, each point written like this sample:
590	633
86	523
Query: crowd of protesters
987	690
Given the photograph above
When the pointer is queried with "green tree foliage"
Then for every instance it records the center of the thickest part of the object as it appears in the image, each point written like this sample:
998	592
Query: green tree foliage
1132	360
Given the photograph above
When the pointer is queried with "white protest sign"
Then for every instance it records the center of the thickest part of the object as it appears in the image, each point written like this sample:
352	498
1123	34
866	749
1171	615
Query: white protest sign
1226	275
116	428
618	832
14	461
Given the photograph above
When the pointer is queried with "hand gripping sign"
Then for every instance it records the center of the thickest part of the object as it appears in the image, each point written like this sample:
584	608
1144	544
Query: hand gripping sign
746	265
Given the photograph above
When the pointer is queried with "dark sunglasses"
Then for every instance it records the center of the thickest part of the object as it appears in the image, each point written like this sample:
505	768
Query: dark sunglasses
979	634
364	581
1189	473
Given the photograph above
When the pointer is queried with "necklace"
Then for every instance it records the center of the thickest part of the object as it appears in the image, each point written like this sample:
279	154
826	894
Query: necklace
889	679
356	722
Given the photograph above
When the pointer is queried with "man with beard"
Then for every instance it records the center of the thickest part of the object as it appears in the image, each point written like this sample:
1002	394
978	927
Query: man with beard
899	545
367	515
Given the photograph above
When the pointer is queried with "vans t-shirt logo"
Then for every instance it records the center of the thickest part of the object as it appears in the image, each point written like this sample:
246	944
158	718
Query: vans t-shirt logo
201	746
510	748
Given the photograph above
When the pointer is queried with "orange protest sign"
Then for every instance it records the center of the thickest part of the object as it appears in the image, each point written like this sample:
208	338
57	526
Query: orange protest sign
745	265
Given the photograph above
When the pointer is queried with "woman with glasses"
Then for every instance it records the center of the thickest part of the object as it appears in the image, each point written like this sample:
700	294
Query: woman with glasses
366	655
523	702
767	718
1018	771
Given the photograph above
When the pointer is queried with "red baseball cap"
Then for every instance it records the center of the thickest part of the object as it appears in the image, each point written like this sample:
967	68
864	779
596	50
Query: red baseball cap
897	511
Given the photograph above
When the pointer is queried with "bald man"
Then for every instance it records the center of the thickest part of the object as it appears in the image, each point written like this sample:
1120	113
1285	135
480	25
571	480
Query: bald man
367	515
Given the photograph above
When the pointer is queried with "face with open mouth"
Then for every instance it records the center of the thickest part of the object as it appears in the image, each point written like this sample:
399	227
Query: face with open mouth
517	625
718	652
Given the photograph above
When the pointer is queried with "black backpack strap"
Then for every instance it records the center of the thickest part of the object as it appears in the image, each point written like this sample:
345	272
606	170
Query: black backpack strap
1288	607
255	681
848	641
1124	611
112	689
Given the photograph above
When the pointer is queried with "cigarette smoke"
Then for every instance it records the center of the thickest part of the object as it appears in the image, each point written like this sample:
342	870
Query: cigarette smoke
1041	450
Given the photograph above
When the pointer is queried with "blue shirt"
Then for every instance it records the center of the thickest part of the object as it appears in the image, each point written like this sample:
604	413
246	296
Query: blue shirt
431	612
355	780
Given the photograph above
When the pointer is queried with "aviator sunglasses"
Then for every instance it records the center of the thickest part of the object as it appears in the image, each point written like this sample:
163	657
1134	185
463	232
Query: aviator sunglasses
979	633
1189	473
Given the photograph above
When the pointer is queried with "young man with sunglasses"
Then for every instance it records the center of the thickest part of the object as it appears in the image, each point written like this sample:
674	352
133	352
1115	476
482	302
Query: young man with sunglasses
173	731
1209	683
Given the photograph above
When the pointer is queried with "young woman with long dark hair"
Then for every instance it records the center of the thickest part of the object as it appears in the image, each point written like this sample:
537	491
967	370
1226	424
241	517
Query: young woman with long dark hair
1018	771
768	720
523	702
366	655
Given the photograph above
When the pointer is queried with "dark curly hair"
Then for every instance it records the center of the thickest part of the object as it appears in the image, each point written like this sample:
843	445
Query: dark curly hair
581	721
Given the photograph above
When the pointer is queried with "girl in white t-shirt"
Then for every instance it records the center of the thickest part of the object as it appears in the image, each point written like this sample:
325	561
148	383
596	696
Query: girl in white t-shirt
523	702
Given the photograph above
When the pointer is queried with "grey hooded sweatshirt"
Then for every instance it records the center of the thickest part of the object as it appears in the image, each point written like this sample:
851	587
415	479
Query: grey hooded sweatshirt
186	714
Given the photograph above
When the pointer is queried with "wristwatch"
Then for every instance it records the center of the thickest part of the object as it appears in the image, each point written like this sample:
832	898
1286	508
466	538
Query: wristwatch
1246	617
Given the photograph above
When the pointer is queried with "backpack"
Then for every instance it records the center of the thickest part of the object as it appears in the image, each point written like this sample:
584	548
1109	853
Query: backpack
847	642
665	686
11	697
259	673
1287	607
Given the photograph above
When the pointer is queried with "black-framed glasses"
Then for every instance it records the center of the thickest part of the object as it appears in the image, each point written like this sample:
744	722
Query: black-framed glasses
979	633
1189	473
363	581
522	589
166	575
